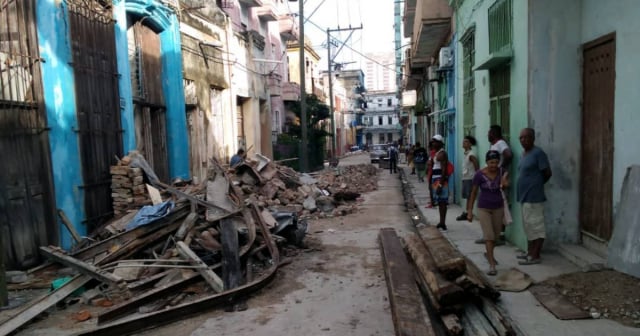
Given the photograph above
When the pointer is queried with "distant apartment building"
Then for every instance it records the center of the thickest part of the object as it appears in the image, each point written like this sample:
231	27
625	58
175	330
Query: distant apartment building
380	120
379	71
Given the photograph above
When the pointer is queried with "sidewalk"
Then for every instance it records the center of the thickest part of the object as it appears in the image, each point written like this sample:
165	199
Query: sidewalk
524	309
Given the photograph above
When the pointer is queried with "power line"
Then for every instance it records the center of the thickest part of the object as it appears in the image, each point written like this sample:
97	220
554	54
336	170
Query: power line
361	54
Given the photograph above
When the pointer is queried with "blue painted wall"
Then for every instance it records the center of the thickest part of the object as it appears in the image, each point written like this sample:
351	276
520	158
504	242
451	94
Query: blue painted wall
124	80
60	106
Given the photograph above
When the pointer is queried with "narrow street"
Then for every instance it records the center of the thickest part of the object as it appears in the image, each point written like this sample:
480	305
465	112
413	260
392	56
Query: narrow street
336	287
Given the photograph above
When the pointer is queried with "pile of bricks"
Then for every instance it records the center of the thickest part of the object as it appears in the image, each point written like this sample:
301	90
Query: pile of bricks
127	189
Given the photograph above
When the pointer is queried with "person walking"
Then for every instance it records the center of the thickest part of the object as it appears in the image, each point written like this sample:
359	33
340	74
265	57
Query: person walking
488	184
393	158
500	145
534	171
420	161
469	167
410	150
439	180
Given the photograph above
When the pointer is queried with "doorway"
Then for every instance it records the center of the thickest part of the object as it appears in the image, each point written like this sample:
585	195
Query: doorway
596	178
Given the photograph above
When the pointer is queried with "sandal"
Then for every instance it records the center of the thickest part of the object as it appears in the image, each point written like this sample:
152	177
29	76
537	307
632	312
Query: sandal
522	256
529	261
492	272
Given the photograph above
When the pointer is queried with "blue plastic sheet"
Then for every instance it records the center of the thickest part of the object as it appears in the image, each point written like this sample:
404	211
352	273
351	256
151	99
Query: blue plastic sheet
149	214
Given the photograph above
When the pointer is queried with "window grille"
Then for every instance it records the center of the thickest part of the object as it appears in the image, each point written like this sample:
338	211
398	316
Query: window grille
499	97
500	25
468	86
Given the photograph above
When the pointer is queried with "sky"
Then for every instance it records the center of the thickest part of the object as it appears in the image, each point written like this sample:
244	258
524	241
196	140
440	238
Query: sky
375	16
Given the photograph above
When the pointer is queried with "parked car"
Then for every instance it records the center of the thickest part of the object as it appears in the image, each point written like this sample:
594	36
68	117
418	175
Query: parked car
377	152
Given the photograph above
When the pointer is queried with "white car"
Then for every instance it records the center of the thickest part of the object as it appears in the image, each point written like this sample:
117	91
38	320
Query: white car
377	152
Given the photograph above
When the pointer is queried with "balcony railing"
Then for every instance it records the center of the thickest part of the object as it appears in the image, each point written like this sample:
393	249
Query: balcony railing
268	11
290	91
274	80
289	29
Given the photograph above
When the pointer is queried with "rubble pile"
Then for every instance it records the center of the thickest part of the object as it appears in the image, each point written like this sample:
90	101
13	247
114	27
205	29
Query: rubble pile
177	250
127	188
326	193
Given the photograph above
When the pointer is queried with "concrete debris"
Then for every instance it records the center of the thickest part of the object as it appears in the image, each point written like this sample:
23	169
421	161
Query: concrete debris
327	193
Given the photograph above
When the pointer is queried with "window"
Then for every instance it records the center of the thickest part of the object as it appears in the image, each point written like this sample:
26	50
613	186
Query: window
468	80
381	138
389	102
379	120
390	137
499	97
390	120
500	26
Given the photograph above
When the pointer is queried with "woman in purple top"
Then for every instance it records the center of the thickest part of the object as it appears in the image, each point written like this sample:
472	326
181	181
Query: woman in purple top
490	181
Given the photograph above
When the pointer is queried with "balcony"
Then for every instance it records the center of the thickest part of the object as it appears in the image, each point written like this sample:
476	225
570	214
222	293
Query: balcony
290	91
431	26
410	81
408	17
274	81
288	27
268	11
251	3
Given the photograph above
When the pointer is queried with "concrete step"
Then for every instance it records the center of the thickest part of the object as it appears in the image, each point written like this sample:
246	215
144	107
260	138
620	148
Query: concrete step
582	257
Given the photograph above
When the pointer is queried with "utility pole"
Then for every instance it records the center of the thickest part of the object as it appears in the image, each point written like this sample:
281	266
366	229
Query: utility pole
330	63
304	155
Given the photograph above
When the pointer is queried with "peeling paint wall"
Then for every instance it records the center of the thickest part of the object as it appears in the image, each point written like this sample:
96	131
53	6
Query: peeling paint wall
554	107
60	105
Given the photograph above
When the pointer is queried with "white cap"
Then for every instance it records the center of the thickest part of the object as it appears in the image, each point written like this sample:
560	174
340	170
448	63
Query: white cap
438	137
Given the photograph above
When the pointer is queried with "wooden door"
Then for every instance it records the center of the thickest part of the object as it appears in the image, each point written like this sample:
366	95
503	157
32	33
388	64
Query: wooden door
27	205
97	104
596	178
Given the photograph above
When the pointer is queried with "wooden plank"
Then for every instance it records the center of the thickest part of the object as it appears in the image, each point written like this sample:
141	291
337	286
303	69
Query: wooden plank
448	258
446	292
409	314
452	324
231	269
186	225
474	323
84	268
46	302
498	318
130	306
67	223
209	276
484	285
557	304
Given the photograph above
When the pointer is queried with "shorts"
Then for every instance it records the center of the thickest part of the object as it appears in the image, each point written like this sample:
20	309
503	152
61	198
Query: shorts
491	222
533	220
467	185
439	196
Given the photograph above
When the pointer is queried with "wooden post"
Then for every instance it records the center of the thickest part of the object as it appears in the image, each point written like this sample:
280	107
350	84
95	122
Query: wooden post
4	296
209	276
231	272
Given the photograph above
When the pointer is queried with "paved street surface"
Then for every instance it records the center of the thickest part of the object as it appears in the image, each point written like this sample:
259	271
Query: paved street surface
338	288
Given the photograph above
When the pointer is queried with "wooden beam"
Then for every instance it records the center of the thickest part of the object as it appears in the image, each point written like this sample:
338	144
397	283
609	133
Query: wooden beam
130	306
231	268
186	225
67	223
209	276
448	259
484	286
84	268
497	317
39	306
409	314
475	323
446	292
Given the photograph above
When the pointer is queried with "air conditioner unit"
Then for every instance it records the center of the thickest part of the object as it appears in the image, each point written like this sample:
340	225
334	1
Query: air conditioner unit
432	74
445	57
